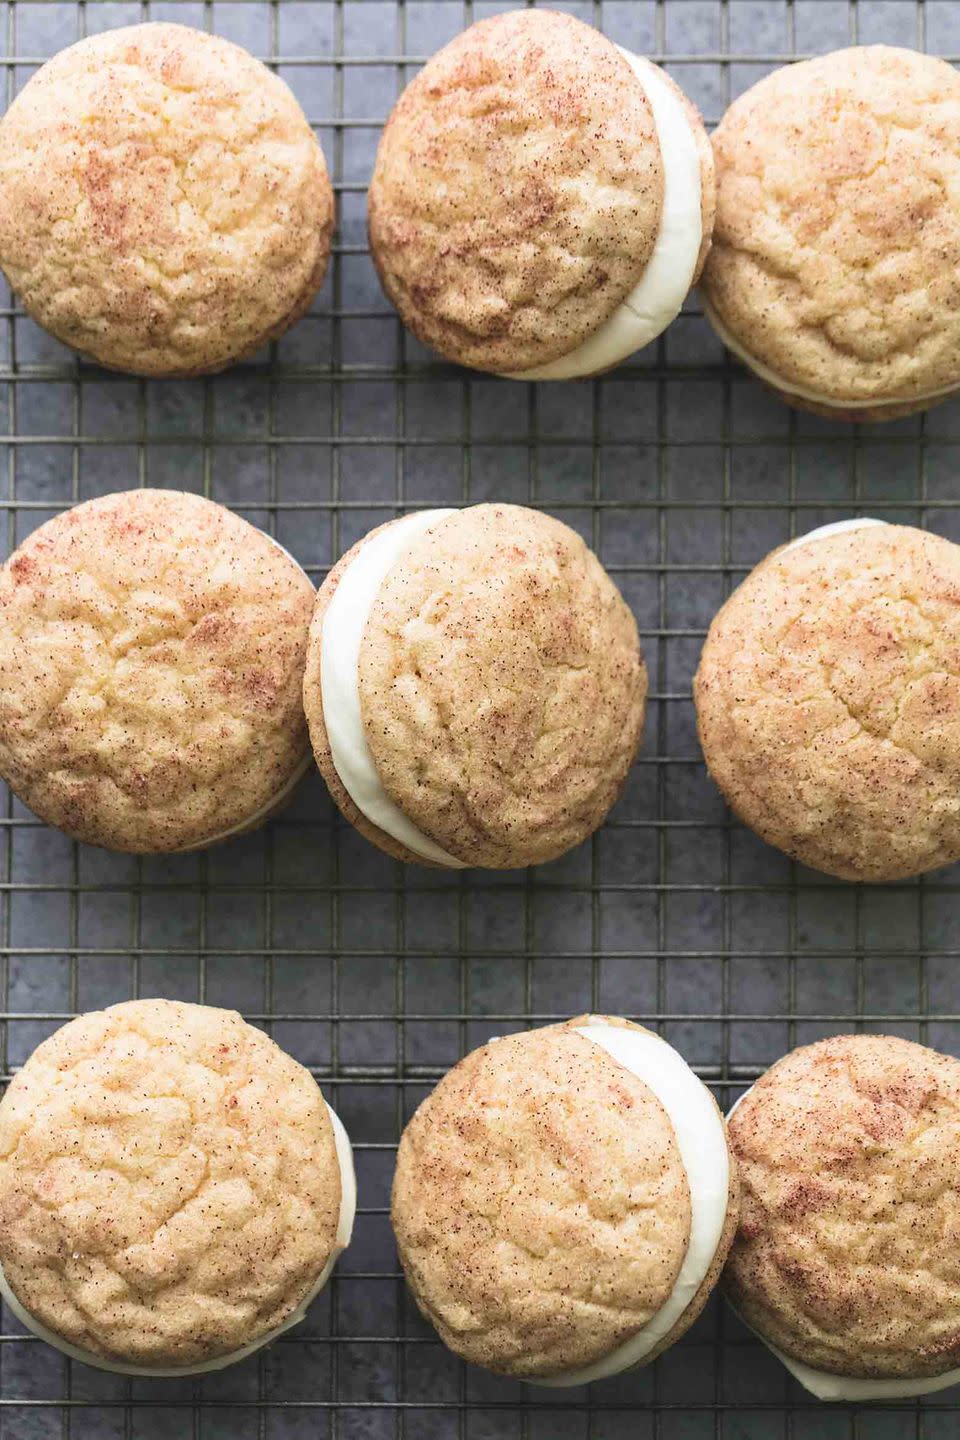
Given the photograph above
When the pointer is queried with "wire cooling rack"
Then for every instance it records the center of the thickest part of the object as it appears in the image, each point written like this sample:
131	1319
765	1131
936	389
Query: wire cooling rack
682	473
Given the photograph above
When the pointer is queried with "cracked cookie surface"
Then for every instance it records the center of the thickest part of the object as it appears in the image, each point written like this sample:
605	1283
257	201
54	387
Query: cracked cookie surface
540	1204
836	248
849	1158
517	191
502	686
164	205
169	1183
151	661
828	702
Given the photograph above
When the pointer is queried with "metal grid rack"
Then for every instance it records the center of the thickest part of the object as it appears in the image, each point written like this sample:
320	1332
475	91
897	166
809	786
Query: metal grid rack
682	473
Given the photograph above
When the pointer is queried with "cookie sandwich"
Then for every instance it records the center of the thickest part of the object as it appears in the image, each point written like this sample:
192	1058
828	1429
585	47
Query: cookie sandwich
844	1261
833	272
828	703
174	1190
164	205
152	647
474	687
564	1201
542	200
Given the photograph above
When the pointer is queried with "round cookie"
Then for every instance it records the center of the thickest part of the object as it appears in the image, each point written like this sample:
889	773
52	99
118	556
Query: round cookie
152	647
174	1190
564	1201
828	701
833	272
164	205
542	201
474	687
844	1261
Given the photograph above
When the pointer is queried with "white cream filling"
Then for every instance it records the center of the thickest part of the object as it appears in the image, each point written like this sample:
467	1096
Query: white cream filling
827	1386
853	1387
657	297
836	527
286	789
770	377
341	636
348	1208
702	1141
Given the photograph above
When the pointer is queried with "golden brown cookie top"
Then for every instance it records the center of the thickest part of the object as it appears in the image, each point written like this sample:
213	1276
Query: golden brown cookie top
169	1183
837	241
516	196
828	702
502	686
164	205
152	646
849	1156
540	1203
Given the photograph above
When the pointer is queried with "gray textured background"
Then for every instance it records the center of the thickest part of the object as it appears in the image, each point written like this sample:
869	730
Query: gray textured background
682	473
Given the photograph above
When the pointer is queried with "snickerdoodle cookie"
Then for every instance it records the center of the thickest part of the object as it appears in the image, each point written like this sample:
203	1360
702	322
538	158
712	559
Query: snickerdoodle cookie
474	687
174	1191
835	269
564	1201
828	701
164	205
152	647
542	200
845	1261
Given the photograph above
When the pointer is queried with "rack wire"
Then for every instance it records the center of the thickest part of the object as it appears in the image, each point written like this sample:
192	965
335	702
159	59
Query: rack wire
682	473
